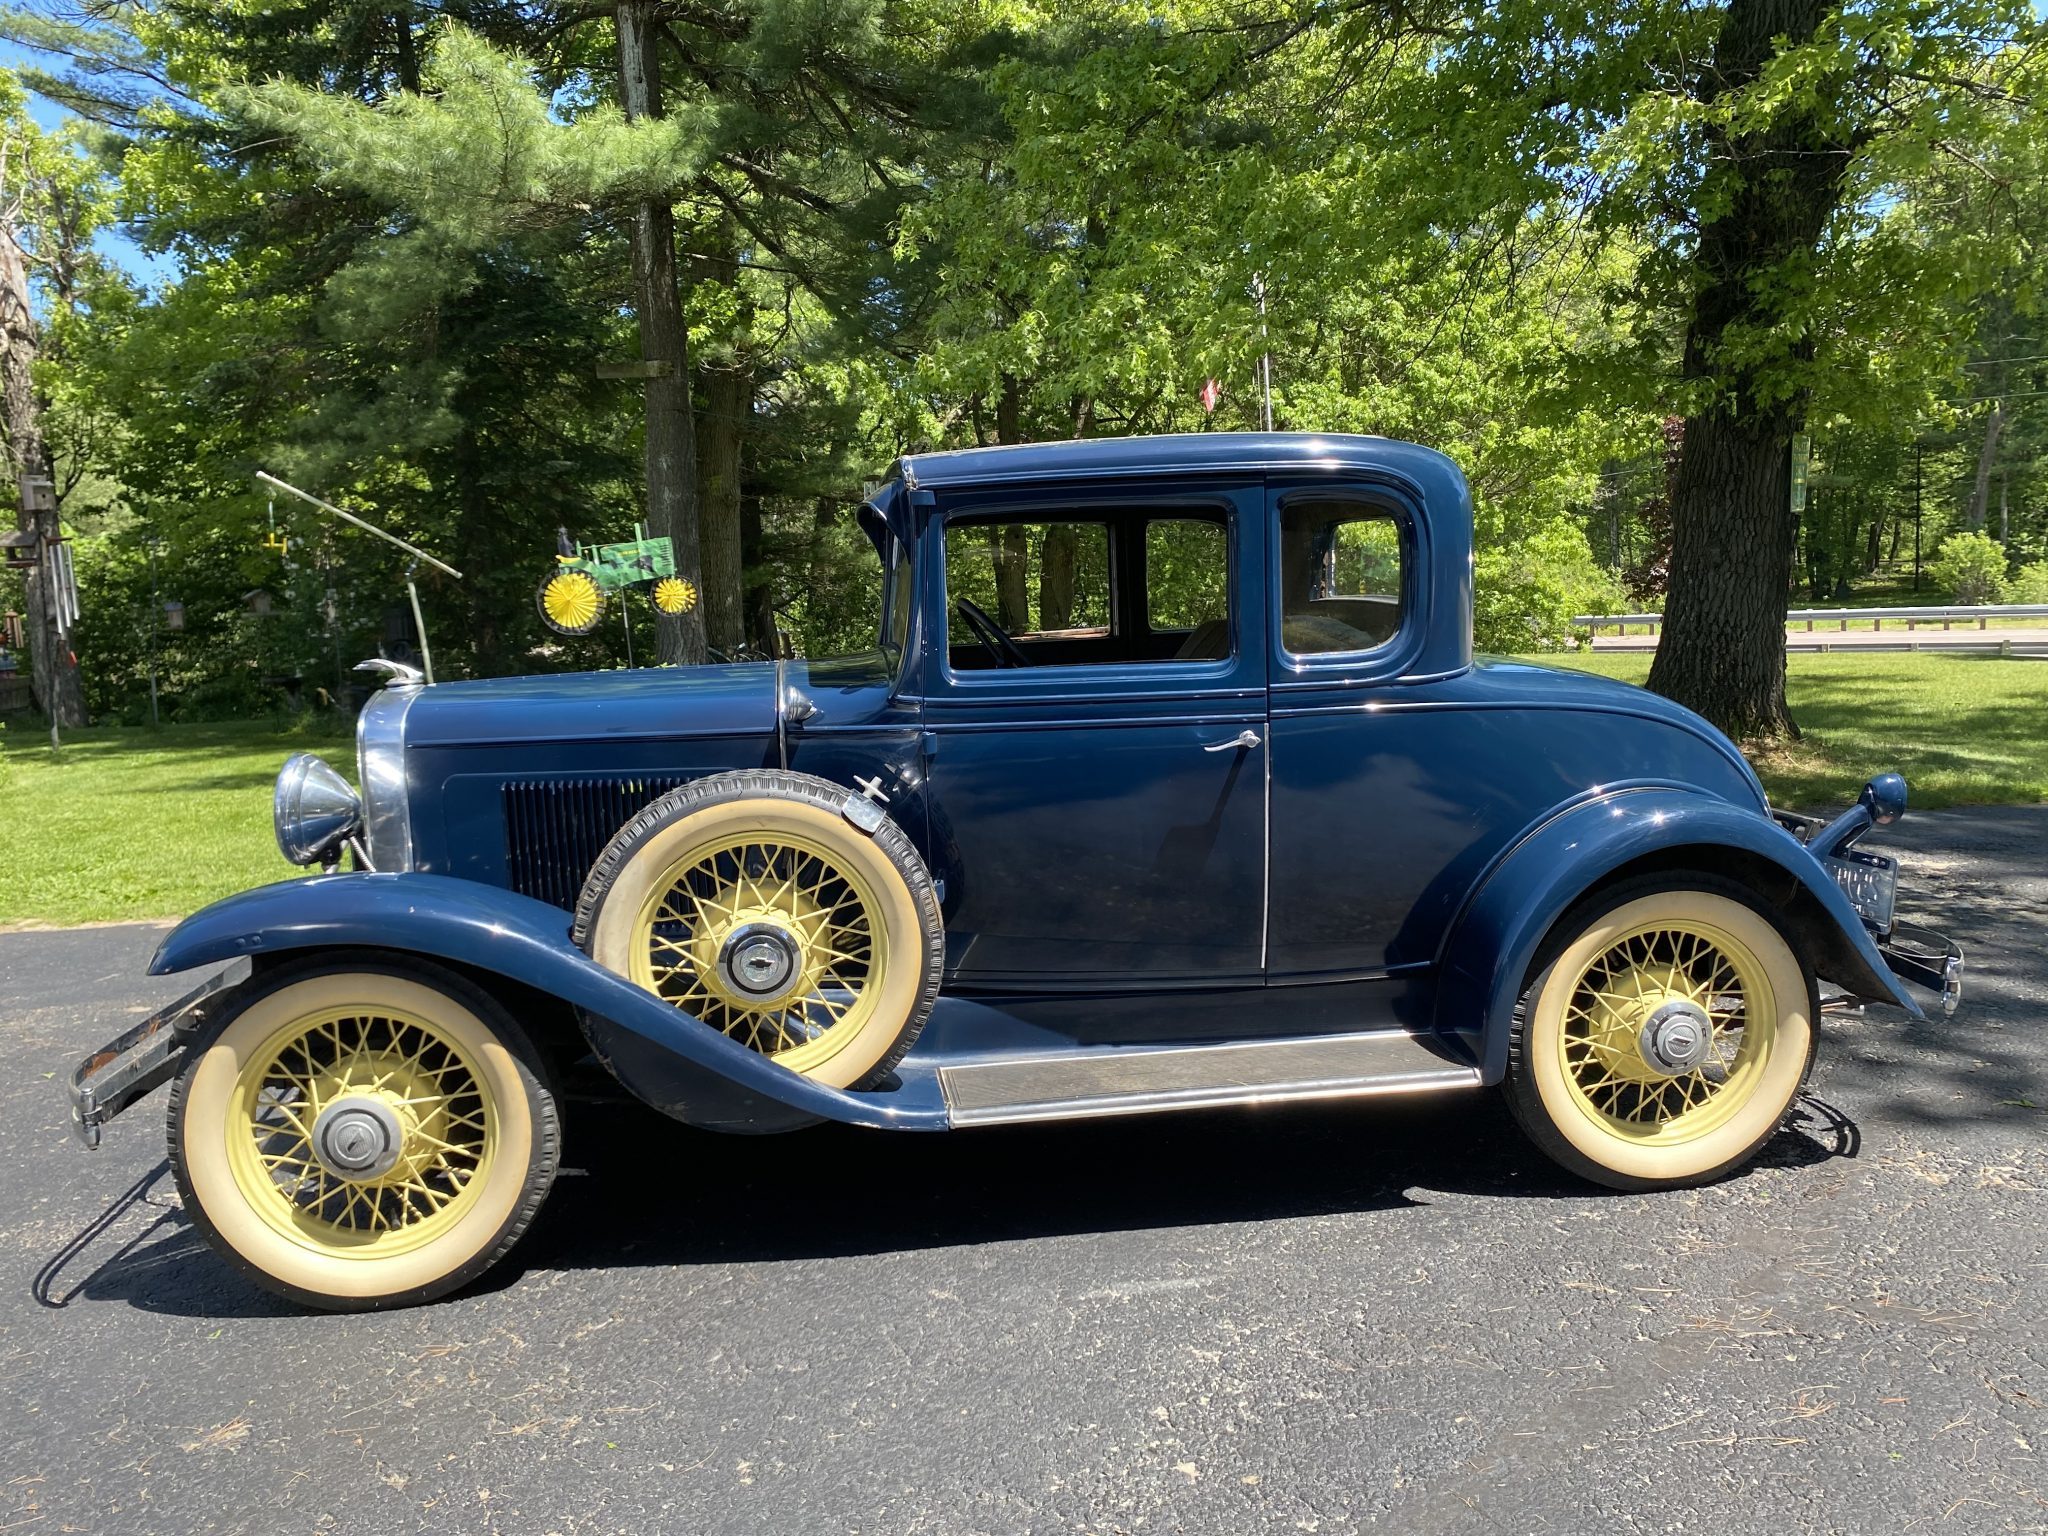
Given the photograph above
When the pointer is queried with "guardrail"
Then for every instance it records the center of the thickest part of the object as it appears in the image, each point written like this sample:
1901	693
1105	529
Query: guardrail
1983	613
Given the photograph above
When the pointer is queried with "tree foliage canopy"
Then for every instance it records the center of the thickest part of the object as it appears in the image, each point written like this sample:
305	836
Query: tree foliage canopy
1565	246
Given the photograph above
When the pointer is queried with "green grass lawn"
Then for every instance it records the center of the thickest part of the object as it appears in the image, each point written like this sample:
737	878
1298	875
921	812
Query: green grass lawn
139	823
1964	730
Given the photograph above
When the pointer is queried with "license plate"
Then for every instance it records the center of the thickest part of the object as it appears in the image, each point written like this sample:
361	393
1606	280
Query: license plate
1870	881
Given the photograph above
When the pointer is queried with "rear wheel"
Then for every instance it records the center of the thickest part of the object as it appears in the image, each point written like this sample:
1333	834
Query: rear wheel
1665	1041
752	902
363	1135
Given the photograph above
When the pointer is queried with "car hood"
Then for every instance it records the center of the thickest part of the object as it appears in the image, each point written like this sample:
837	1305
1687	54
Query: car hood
732	699
595	706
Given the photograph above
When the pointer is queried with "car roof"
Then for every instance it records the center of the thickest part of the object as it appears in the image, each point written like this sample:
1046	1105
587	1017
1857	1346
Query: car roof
1168	453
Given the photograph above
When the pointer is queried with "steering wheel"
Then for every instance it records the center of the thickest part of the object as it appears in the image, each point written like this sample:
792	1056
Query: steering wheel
991	635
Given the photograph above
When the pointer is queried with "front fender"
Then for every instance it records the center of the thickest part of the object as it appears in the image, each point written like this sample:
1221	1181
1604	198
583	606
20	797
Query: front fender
664	1056
1494	942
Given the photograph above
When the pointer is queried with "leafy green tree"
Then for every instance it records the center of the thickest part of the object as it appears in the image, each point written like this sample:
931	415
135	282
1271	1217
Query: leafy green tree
1745	151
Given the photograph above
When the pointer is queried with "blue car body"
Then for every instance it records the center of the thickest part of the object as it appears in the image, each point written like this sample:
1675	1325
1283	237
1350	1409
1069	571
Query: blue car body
1384	860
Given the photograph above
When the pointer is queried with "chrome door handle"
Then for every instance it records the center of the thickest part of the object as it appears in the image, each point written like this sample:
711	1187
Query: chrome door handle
1242	741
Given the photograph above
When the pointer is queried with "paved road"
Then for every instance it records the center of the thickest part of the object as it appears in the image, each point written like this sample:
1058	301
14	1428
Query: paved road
2017	641
1312	1321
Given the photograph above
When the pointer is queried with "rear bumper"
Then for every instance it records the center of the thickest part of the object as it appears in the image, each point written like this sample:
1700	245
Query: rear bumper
1870	881
1927	959
136	1063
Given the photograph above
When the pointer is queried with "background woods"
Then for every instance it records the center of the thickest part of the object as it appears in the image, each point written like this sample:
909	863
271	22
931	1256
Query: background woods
484	270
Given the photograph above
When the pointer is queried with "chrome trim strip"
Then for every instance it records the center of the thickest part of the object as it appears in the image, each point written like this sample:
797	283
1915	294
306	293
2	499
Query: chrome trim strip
1266	863
380	772
1144	1080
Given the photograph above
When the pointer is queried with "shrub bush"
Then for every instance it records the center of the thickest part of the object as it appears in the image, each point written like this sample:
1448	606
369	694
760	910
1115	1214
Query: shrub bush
1527	591
2030	585
1972	567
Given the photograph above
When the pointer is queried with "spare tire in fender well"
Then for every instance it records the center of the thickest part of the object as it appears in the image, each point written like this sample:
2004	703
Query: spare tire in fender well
783	910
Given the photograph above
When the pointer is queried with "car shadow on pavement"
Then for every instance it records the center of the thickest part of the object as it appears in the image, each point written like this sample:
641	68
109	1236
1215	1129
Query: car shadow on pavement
638	1191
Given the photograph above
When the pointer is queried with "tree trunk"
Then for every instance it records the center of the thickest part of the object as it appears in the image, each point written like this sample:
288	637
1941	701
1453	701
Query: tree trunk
1723	648
728	392
1009	552
59	692
407	51
1010	411
1056	577
758	600
1980	493
665	343
1772	188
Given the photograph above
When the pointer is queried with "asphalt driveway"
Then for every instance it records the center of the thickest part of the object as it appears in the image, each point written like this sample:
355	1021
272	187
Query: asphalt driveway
1316	1320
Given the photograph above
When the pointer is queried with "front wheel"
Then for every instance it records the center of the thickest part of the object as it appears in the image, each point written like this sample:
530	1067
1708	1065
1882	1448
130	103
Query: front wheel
358	1135
1665	1041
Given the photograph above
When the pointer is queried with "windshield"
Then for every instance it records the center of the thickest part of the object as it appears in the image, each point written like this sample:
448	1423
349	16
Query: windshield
897	596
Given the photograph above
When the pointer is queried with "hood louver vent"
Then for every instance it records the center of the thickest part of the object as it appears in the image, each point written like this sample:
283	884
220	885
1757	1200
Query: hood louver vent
556	828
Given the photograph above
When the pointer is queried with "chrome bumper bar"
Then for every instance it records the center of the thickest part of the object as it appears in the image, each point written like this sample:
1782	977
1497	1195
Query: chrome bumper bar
1927	959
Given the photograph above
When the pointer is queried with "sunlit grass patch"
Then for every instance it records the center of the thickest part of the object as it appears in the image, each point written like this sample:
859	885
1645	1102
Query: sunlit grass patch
140	823
1964	730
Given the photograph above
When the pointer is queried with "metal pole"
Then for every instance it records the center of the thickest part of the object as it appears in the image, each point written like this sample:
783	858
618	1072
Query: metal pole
1265	358
419	624
418	555
349	517
155	615
55	626
626	624
1916	516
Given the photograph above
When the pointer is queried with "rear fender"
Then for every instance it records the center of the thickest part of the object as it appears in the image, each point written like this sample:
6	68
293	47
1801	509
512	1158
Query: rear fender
1496	939
662	1055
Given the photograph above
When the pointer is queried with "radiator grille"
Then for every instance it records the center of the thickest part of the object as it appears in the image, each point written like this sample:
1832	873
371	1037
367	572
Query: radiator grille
556	828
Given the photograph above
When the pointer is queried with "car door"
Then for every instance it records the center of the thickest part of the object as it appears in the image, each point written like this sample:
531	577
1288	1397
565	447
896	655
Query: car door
1099	810
1381	810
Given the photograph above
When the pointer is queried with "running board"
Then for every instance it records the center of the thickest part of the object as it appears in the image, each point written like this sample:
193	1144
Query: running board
1132	1080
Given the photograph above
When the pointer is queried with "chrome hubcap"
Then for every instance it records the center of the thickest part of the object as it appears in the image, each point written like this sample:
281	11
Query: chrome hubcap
1676	1038
759	960
358	1138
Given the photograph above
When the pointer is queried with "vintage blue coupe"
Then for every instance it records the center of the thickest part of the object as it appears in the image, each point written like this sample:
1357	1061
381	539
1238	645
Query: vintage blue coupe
1169	781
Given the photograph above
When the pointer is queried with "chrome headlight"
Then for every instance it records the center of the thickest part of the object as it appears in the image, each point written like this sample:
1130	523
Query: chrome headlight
315	810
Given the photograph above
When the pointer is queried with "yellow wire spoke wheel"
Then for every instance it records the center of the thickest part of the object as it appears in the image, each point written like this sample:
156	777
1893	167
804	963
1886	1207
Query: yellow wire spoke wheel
749	902
1666	1042
571	602
672	594
766	939
360	1138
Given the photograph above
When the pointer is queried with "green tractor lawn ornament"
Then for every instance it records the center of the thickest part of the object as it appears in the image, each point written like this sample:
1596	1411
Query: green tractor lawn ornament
572	595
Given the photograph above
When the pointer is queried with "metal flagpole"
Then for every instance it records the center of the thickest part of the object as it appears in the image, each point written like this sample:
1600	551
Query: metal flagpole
1265	358
418	555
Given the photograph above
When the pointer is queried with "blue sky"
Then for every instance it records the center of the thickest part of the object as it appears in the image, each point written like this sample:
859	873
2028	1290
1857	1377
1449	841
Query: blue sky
115	243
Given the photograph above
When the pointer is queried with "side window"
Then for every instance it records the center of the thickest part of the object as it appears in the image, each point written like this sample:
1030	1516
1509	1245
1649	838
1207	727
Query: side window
1341	570
1187	586
1036	580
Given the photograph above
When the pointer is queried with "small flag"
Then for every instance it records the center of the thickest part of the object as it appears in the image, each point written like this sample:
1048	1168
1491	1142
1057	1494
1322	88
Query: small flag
1212	391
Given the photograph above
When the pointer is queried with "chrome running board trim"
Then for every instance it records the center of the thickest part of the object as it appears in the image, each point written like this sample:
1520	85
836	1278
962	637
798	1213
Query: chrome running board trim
1135	1080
